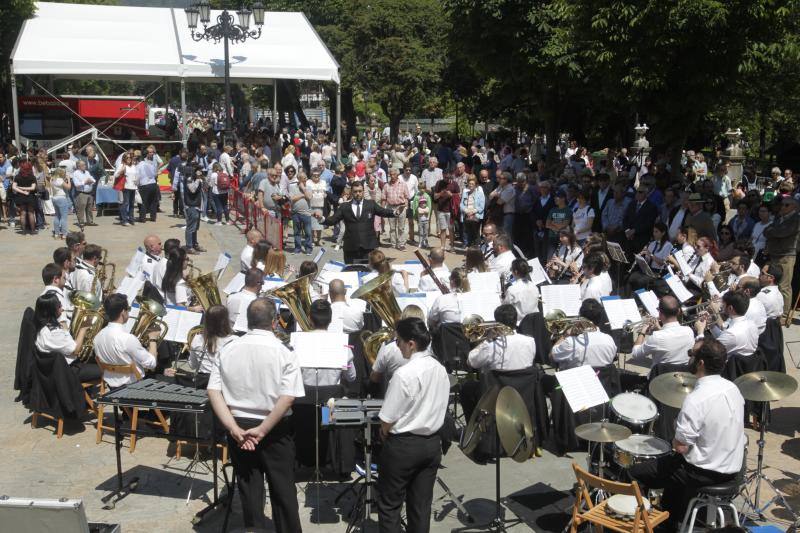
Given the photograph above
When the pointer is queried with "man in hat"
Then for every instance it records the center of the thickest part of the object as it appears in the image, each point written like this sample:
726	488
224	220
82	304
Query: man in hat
698	219
639	220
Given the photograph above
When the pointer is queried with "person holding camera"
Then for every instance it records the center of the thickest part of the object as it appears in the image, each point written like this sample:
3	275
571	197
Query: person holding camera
192	200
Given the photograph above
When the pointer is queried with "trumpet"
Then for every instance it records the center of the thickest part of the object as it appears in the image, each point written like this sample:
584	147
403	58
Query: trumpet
647	322
693	312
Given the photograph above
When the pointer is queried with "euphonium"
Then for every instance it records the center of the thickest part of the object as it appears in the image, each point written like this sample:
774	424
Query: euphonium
560	325
86	314
204	287
297	297
476	331
151	314
379	295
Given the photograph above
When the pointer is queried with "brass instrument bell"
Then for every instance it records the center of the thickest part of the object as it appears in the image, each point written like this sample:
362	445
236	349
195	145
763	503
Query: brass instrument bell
151	314
297	297
87	313
379	295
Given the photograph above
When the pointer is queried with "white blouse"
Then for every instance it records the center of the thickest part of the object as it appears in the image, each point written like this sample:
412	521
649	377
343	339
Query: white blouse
131	181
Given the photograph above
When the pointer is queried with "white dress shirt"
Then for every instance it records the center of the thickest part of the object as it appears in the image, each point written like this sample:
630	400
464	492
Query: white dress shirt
524	296
445	309
115	346
511	352
52	339
593	348
594	287
253	371
237	304
659	250
151	265
670	344
571	255
739	338
83	278
66	304
606	284
502	263
676	224
204	359
711	423
700	266
772	299
757	314
417	397
426	283
389	359
246	258
82	181
348	317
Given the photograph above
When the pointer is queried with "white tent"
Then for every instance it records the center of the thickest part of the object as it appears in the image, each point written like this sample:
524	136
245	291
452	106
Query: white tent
144	43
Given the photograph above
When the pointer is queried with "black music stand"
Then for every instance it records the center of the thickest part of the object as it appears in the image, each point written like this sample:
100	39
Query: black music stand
617	254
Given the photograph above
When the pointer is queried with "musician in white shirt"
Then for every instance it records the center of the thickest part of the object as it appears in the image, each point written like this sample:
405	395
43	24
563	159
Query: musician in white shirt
503	256
447	308
701	264
207	345
568	259
85	272
320	317
348	316
756	312
54	339
440	270
252	388
115	346
709	437
593	348
153	260
655	254
738	335
504	352
412	414
246	257
670	343
523	293
593	286
54	277
389	357
770	295
237	302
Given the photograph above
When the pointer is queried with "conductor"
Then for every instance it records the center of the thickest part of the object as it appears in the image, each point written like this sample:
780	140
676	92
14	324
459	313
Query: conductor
359	233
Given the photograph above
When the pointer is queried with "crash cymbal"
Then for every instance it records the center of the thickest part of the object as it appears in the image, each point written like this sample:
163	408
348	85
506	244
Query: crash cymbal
480	421
602	432
514	425
766	386
671	388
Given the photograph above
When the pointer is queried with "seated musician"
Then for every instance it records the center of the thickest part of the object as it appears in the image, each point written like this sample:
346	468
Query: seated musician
770	295
503	255
316	289
709	437
566	263
54	278
265	258
594	285
522	294
246	257
85	271
681	244
174	287
389	357
76	242
237	302
52	338
656	254
738	335
347	316
379	264
742	266
63	258
320	317
474	261
153	263
252	388
115	346
701	265
504	352
756	312
206	346
446	308
442	272
593	348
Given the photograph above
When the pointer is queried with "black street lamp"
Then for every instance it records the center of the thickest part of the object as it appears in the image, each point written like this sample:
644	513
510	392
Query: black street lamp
225	30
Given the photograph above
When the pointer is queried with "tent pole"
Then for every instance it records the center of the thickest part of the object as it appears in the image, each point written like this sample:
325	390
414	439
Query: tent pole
15	110
275	106
185	134
338	122
166	95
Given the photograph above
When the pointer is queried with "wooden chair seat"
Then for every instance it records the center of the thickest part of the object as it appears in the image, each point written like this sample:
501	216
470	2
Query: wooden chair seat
600	515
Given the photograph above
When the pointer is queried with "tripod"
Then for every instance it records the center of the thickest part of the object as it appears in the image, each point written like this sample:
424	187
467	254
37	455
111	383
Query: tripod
364	498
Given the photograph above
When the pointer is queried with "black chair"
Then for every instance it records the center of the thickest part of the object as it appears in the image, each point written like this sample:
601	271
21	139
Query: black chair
527	382
451	347
770	342
56	392
362	366
533	325
664	426
357	268
737	366
25	356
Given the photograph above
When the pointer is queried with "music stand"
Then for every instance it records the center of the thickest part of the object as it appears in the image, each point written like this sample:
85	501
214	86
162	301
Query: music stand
617	254
795	362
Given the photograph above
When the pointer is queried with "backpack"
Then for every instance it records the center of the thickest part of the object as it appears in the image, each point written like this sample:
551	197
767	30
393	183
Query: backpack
223	182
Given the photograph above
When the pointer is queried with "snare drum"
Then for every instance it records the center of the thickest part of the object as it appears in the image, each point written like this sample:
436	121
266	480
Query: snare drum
638	449
634	410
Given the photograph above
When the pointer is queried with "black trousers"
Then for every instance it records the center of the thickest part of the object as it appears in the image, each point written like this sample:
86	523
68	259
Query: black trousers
273	457
149	194
407	471
360	256
469	396
679	479
86	371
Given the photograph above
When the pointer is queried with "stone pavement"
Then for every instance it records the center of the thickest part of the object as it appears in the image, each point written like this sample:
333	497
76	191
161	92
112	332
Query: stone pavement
36	464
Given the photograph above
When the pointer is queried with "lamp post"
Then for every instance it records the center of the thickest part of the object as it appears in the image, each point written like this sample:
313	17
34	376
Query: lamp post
225	30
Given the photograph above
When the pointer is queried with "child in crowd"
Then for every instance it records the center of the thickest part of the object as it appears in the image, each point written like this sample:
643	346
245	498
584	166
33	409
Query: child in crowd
423	215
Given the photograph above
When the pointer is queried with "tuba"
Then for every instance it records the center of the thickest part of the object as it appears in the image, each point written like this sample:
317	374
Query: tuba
560	325
204	287
86	314
477	331
379	295
151	315
297	297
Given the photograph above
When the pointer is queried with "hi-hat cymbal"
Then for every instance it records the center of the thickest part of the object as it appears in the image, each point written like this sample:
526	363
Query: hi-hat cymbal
602	432
766	386
480	421
514	425
671	388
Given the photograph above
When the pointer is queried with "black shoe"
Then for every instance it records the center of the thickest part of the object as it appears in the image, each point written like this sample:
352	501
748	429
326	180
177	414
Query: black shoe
199	248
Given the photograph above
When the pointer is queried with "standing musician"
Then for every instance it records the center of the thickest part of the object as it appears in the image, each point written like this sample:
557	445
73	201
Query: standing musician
115	346
246	257
436	260
54	277
52	338
85	271
412	414
770	294
237	302
503	256
738	335
522	294
446	308
594	286
756	312
709	436
251	388
656	254
593	348
347	316
566	263
320	317
389	357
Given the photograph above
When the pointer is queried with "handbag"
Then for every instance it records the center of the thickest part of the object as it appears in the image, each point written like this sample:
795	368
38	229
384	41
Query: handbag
119	182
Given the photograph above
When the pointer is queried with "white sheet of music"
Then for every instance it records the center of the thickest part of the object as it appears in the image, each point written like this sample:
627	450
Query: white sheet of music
581	388
320	349
351	280
130	287
272	282
620	311
685	268
678	288
136	262
564	297
235	284
482	304
538	273
484	281
330	267
180	321
414	269
414	298
222	263
649	301
644	267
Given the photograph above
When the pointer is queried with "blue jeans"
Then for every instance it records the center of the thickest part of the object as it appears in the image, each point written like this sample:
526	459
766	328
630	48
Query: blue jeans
126	207
301	223
220	205
192	223
60	223
508	223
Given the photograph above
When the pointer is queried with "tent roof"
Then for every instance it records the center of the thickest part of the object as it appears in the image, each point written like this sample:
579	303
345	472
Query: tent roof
113	42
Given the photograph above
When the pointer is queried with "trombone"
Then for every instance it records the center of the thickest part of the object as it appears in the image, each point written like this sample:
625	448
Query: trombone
560	325
477	331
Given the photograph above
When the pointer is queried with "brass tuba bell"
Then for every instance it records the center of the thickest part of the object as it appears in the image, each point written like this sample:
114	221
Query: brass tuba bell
87	313
297	297
151	314
379	295
204	287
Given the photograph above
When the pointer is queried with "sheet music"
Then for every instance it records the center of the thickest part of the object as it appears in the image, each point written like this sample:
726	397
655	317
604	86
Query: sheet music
319	255
235	284
581	388
644	266
484	282
538	274
649	301
620	311
241	318
616	252
330	267
482	304
414	298
320	349
136	262
352	280
678	288
222	263
130	287
414	269
564	297
180	321
681	259
272	282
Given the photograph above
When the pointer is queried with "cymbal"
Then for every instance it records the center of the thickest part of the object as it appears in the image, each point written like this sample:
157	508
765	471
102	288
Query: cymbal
766	386
514	425
480	421
671	388
602	432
